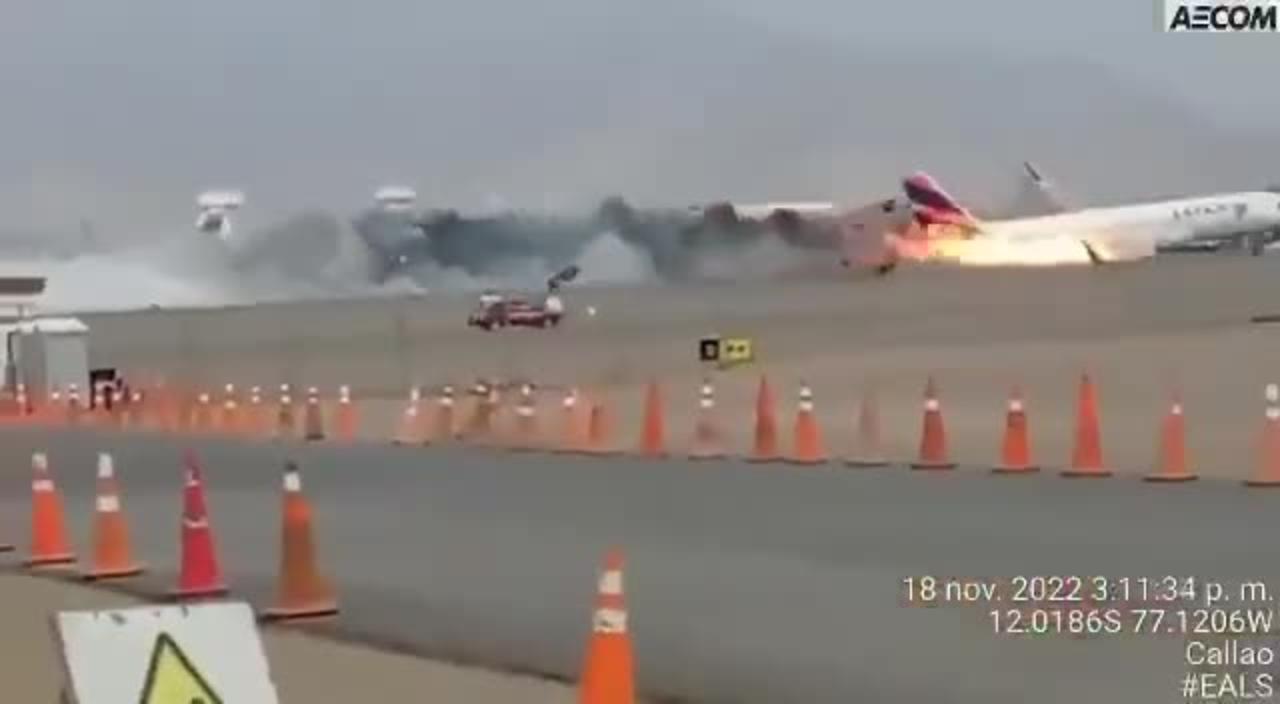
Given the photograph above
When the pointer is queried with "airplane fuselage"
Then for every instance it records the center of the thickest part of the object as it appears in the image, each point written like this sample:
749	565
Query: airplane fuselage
1159	223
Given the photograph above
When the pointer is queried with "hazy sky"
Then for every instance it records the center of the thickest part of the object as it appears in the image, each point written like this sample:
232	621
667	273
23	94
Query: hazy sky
1232	76
120	112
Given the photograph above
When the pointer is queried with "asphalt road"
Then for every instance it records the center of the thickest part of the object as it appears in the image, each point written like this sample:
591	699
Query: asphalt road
746	583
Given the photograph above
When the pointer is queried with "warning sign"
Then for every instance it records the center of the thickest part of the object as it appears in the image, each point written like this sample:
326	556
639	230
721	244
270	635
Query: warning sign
195	654
172	678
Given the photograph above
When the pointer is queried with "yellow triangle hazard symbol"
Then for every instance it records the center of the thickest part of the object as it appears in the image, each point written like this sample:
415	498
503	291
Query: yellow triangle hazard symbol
172	679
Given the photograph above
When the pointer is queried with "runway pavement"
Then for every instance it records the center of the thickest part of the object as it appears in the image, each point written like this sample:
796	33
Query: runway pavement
746	583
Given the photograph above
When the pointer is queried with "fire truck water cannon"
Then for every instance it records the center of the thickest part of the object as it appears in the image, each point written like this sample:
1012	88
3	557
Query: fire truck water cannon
215	210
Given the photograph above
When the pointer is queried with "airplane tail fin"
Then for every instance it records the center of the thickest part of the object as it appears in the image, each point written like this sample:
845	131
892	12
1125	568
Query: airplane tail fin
932	205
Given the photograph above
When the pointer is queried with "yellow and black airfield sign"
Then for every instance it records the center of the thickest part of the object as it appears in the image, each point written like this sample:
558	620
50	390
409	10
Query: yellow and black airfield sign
726	352
173	679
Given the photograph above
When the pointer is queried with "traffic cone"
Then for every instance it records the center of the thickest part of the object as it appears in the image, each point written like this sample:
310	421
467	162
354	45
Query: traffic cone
444	430
302	591
112	555
23	402
526	430
575	424
410	425
199	575
55	409
49	544
202	414
229	422
131	413
346	422
1015	450
285	421
313	417
608	673
653	433
600	429
74	407
933	435
806	444
1172	462
708	442
255	419
479	427
868	450
765	445
1086	457
98	407
1268	472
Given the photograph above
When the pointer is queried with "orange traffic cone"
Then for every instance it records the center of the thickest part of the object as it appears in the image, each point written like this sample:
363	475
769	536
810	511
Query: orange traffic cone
202	414
256	423
1268	472
131	415
444	430
1015	450
55	409
112	556
933	435
346	422
1086	457
575	424
285	421
707	442
600	430
765	445
480	426
313	417
302	591
409	429
868	448
653	440
1172	462
49	544
608	673
807	446
23	401
526	431
229	422
75	406
199	573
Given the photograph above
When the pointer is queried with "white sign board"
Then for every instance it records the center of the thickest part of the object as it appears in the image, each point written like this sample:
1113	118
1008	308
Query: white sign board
193	654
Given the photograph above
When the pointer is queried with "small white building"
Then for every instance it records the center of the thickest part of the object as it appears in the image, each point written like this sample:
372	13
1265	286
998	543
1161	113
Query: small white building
46	353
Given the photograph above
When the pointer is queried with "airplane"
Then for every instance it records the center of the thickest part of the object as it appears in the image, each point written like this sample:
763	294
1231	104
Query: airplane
944	229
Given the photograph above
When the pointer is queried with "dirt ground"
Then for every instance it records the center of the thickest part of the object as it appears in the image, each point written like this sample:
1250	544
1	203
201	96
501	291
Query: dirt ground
305	669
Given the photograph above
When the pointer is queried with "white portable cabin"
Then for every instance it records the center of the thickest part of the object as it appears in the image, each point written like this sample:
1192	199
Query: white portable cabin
46	354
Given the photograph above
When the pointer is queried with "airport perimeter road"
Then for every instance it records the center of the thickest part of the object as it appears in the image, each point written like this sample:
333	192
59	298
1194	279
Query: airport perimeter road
746	583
